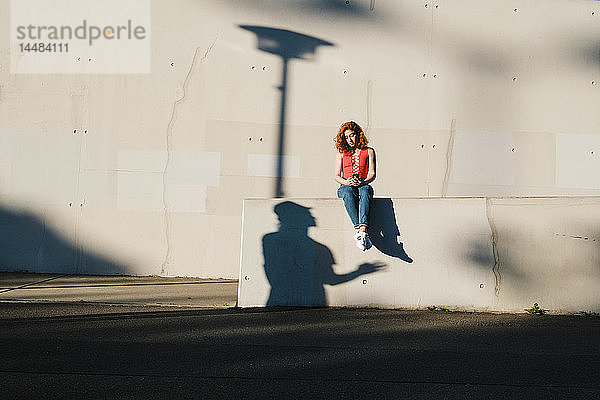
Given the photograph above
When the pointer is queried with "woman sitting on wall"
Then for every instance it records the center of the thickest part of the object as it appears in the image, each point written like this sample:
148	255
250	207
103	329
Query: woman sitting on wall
355	168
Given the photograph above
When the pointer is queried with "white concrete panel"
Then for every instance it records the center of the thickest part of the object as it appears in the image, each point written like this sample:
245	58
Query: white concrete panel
403	70
186	198
439	236
548	252
142	161
483	158
578	161
5	177
8	138
446	255
99	188
143	191
475	254
266	165
140	191
194	168
134	244
41	177
464	190
224	61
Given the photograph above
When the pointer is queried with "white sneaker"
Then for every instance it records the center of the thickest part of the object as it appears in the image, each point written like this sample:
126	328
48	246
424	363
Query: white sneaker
366	241
359	238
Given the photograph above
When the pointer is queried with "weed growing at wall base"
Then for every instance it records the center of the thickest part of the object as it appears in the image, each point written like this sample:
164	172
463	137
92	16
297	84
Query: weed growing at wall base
536	310
436	308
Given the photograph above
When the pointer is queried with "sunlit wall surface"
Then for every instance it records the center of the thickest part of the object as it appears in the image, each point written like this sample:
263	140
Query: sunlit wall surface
113	163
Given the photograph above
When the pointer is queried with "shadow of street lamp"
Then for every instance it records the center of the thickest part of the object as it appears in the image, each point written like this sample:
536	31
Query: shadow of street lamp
288	45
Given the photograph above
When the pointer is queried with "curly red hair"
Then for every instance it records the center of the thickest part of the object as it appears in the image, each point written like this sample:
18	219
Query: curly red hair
340	139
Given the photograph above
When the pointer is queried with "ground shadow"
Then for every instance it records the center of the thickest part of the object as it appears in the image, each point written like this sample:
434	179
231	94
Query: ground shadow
303	354
297	266
383	230
28	244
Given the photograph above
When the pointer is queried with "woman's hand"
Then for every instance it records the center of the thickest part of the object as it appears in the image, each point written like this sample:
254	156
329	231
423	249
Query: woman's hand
352	181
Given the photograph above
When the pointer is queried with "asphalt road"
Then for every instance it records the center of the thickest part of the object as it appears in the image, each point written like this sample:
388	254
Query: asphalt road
121	352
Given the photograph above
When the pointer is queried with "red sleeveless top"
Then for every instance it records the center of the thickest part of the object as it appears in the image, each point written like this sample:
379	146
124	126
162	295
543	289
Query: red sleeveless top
358	165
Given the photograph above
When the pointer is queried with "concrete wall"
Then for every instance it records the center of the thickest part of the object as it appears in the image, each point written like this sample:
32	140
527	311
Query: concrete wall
145	173
500	254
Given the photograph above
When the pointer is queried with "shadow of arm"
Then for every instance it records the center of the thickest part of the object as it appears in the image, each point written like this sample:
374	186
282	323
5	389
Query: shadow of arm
363	269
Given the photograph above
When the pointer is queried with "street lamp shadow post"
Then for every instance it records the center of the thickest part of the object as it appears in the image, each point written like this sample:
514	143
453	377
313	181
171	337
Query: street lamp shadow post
288	45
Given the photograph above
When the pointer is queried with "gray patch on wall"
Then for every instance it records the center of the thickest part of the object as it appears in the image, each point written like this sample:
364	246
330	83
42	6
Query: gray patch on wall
483	158
266	165
577	161
139	180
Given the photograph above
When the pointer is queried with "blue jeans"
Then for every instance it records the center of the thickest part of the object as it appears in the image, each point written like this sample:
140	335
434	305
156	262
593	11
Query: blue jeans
357	201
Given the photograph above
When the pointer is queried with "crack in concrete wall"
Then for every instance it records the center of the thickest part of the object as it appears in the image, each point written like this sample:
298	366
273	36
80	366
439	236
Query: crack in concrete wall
169	144
576	237
80	253
449	155
494	229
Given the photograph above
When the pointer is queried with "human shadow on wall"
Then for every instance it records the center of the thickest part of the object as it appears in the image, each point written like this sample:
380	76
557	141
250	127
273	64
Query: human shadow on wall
383	230
29	244
297	267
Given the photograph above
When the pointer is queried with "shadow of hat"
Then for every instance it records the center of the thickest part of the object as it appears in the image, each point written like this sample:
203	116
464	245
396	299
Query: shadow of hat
291	213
